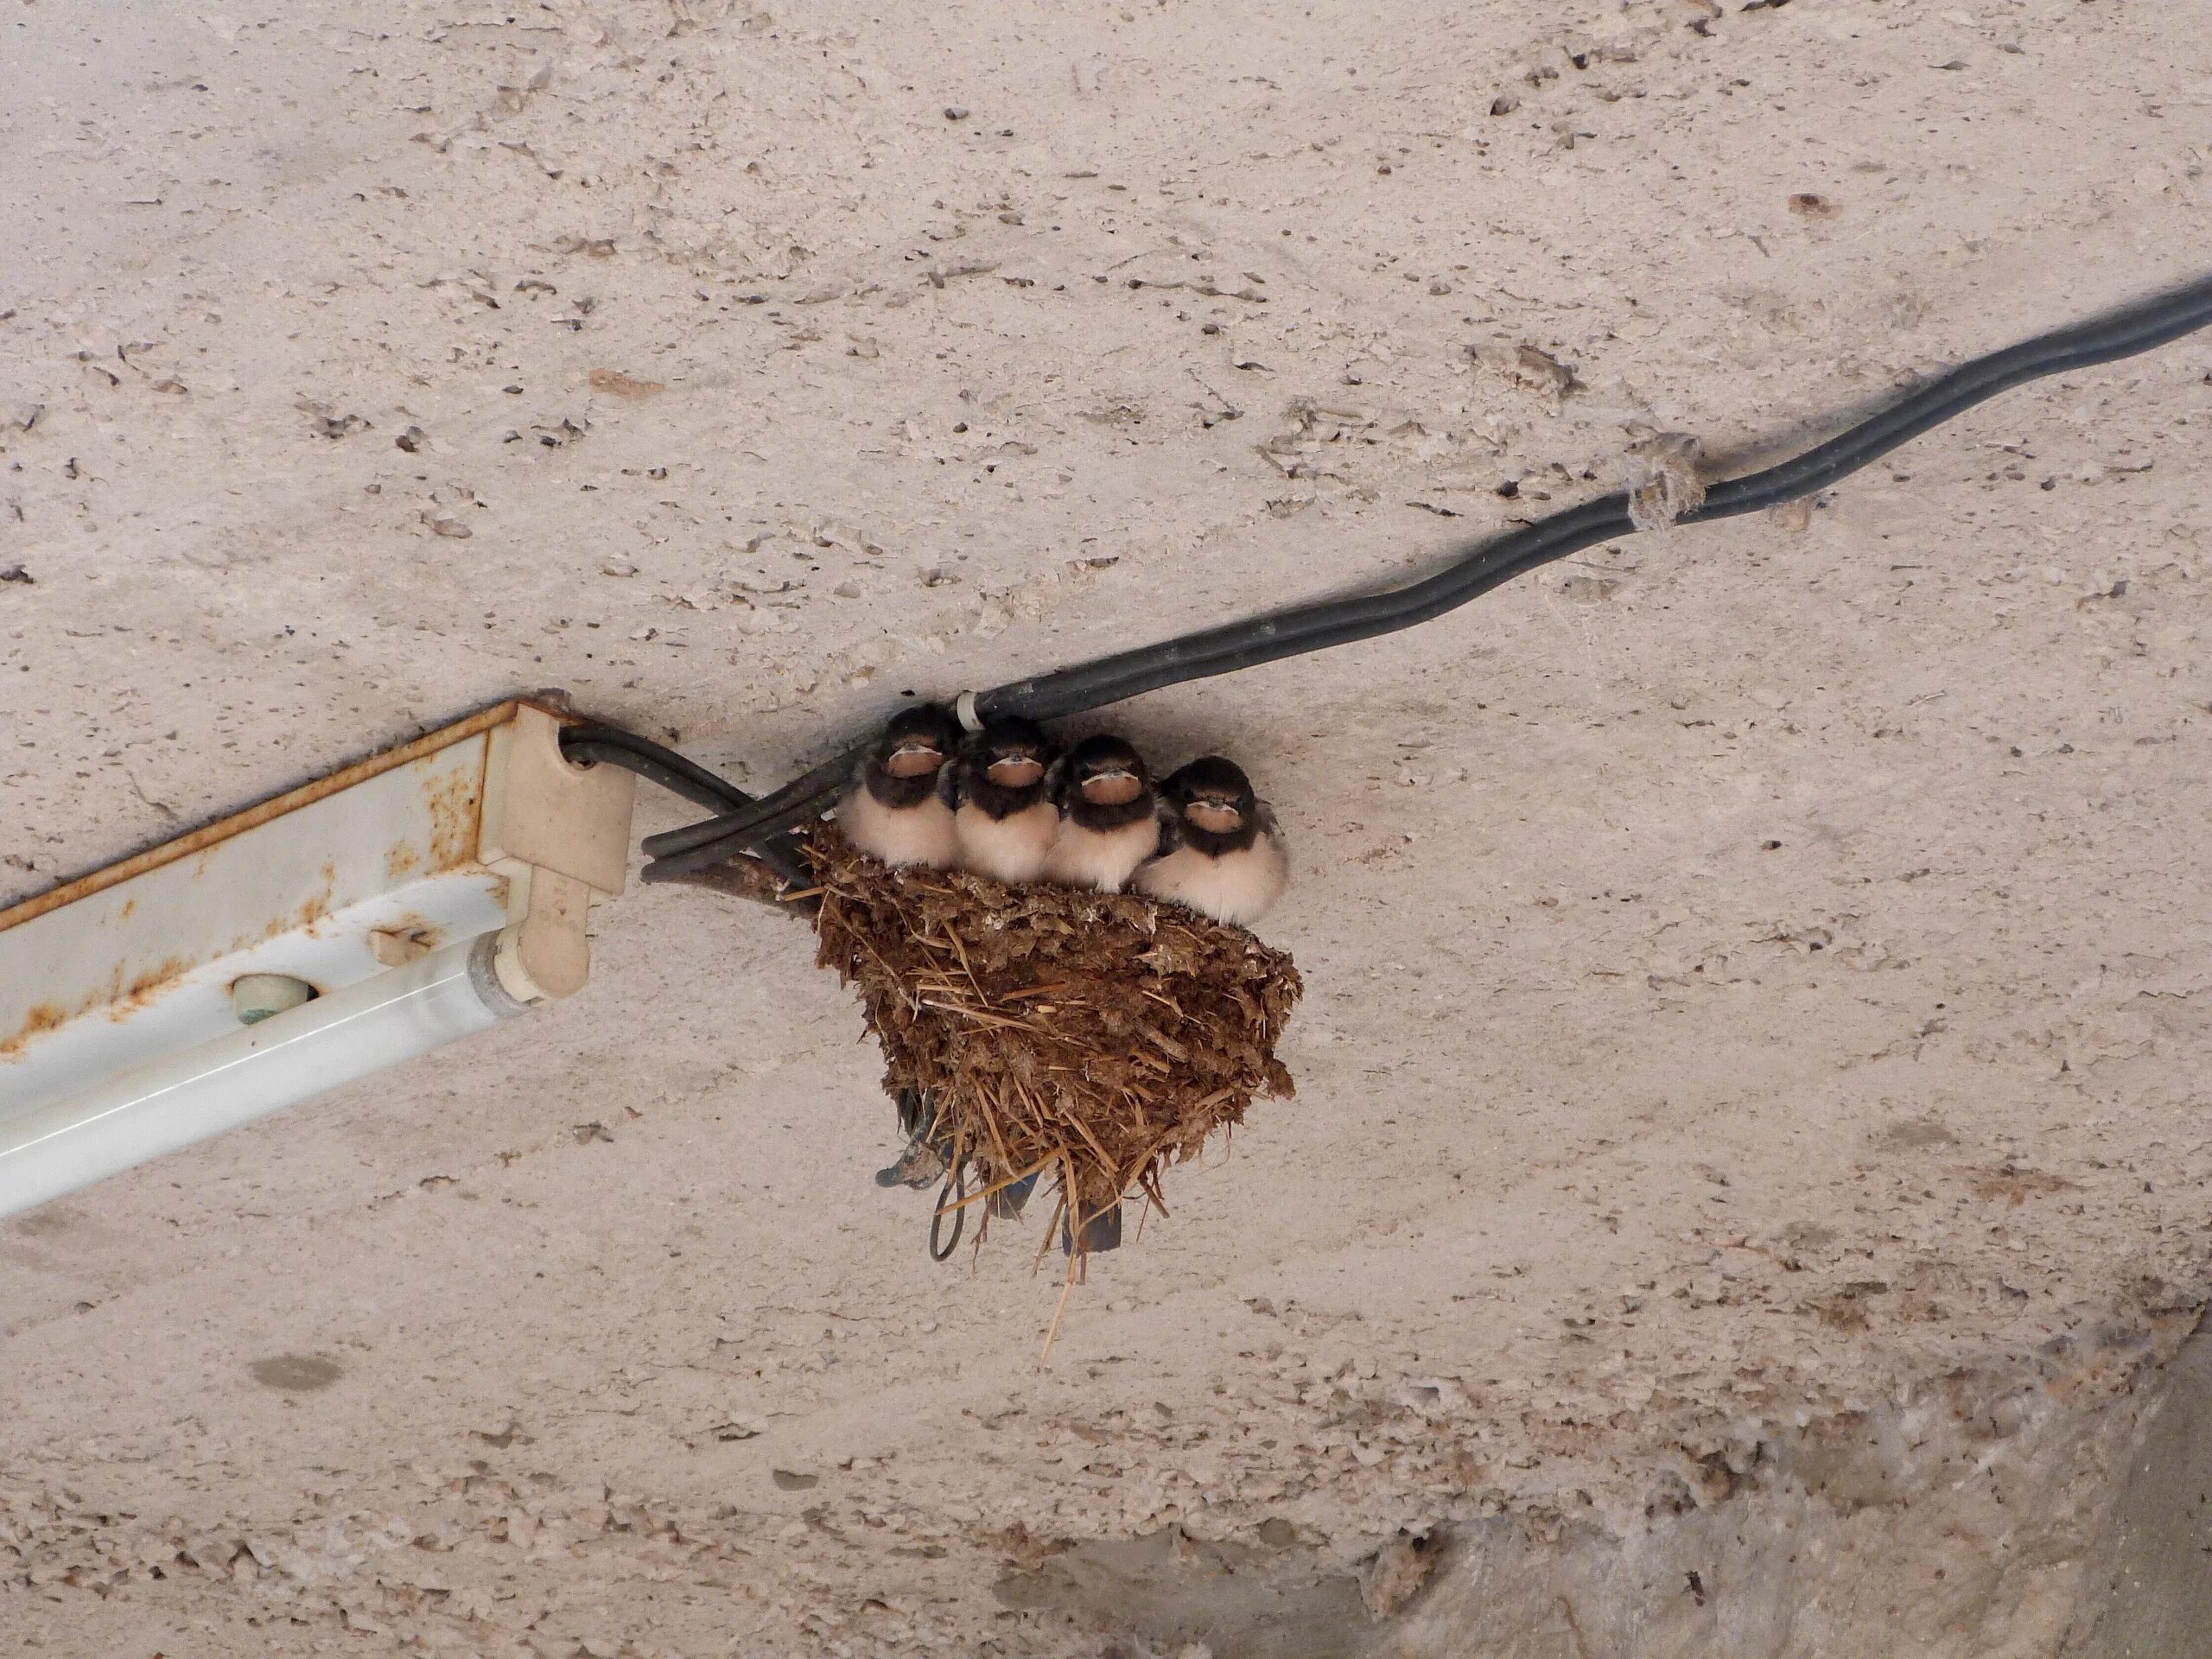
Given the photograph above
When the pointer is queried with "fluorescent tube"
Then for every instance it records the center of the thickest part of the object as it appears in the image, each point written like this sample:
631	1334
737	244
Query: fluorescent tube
183	1098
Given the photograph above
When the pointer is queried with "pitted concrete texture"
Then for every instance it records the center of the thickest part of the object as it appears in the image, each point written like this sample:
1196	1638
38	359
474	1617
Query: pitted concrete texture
1754	1030
2148	1587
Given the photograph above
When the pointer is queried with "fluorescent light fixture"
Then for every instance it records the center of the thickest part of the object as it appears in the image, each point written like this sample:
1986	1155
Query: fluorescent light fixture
168	1103
368	918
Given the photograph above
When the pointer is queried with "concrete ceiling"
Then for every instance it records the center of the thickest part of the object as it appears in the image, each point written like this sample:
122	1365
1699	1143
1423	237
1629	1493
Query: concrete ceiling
1751	970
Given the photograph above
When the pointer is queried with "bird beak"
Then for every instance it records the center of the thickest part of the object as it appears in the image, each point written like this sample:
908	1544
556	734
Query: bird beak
1015	770
1116	786
1215	818
913	760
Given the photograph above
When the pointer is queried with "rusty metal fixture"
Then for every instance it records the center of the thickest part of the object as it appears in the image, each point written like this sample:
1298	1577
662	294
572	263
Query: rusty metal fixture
463	865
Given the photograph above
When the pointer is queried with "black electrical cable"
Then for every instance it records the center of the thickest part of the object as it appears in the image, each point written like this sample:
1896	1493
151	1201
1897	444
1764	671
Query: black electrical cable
1327	623
791	805
588	744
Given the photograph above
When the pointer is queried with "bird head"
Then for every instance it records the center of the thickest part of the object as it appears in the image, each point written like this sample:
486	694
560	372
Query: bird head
1213	795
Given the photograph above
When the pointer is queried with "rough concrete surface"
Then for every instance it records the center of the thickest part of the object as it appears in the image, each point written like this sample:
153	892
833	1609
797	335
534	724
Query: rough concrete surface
2147	1590
1750	1120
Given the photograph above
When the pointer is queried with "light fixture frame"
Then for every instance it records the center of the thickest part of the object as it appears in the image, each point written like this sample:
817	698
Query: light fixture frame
427	892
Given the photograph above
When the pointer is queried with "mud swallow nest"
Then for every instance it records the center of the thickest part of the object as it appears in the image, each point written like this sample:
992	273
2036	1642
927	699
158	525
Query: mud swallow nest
1092	1038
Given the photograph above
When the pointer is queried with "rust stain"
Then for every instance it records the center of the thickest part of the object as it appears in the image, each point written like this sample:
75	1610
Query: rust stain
215	834
401	859
43	1017
120	1000
317	907
310	912
141	991
143	987
456	814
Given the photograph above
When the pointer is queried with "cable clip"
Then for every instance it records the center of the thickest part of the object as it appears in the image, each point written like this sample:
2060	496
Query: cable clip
964	709
1664	479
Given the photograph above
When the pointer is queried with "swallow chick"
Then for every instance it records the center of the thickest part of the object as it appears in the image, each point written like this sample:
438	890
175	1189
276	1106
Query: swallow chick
1221	853
1004	824
1110	820
896	808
